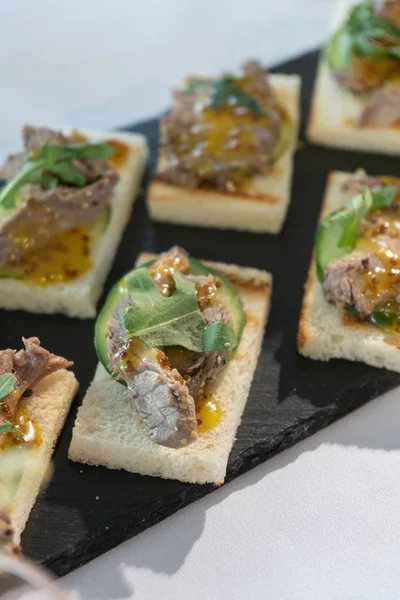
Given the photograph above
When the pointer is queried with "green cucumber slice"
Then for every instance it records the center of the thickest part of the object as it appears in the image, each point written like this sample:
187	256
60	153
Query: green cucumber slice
10	272
285	139
339	51
229	298
102	223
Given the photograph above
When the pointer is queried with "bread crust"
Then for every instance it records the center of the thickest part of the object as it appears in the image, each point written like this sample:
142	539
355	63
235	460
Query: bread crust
260	205
114	438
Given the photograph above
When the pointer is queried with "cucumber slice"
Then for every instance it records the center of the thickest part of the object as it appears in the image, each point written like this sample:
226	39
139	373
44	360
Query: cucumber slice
228	294
339	51
285	139
103	222
10	272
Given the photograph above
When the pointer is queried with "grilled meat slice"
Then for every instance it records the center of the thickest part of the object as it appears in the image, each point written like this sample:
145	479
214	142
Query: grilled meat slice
383	110
201	368
160	393
49	212
163	383
218	150
357	182
28	366
354	279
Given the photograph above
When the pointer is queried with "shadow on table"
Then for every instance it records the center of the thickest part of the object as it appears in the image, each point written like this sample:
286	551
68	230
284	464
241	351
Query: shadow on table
375	426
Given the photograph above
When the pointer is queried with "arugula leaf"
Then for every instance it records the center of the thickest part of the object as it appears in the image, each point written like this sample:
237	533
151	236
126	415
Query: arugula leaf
172	321
50	164
337	235
226	89
7	383
159	321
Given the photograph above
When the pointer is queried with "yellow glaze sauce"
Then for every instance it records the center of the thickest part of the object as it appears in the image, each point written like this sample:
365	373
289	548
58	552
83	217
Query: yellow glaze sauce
121	153
375	71
208	413
26	431
163	270
64	258
227	132
379	280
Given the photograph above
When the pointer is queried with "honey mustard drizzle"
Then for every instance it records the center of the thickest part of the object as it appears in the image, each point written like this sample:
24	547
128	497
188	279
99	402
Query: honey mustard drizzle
66	256
385	221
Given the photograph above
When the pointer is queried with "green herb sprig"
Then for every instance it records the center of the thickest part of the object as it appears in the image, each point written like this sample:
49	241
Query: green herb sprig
50	165
172	321
225	90
364	34
7	384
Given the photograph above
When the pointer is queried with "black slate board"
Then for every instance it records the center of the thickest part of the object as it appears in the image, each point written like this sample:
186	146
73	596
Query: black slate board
291	397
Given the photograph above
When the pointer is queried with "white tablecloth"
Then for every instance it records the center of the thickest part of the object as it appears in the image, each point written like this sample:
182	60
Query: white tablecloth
320	521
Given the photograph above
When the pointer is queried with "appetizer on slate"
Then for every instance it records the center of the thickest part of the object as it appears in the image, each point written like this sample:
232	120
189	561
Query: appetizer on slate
63	209
356	101
351	307
178	342
36	392
226	152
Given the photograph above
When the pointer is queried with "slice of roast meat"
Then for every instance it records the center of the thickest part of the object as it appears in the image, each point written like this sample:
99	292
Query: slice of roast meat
360	180
200	369
12	166
188	160
160	393
6	361
345	282
34	138
49	212
354	82
383	110
29	366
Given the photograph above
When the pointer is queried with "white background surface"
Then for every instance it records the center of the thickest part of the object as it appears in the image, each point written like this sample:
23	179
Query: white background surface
320	521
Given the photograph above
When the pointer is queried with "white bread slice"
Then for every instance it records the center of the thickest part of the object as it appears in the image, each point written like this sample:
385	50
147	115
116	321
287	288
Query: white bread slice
107	431
262	203
48	407
335	111
327	332
79	298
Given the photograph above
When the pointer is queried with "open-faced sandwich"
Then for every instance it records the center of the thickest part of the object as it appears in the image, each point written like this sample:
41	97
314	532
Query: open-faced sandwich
178	341
67	200
351	306
356	101
36	392
226	152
